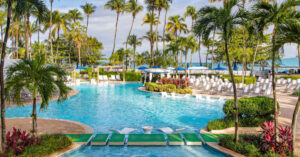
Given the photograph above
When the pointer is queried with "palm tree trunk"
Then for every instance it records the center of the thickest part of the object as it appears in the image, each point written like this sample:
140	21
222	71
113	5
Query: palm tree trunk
164	30
3	53
1	27
79	53
17	40
212	51
274	84
133	18
116	30
134	50
34	120
87	22
156	37
236	137
50	31
254	58
57	44
185	71
199	52
70	49
294	123
151	41
207	55
26	26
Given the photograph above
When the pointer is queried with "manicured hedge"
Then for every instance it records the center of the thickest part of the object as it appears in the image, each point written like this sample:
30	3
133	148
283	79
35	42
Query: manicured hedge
252	112
169	88
49	145
238	79
248	144
293	77
296	94
250	107
131	76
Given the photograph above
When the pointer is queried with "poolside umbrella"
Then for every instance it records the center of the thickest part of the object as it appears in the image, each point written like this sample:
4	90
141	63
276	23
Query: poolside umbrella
142	68
219	67
180	69
156	67
80	68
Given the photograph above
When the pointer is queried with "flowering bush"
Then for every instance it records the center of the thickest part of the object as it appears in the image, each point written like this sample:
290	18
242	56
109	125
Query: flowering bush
268	143
180	83
18	140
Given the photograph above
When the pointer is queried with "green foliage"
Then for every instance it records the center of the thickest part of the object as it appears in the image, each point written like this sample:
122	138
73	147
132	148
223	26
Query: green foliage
250	107
296	94
252	113
49	145
238	79
293	77
131	76
169	88
247	145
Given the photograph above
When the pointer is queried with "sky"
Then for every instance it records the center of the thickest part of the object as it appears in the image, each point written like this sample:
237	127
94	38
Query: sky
102	23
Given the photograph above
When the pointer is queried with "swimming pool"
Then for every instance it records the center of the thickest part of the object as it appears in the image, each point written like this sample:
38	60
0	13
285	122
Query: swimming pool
123	105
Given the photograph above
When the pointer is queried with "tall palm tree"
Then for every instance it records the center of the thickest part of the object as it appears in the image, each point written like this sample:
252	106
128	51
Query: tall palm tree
159	6
59	22
275	14
8	5
134	42
50	29
134	8
191	12
34	75
226	26
166	7
88	9
175	26
209	21
290	33
75	15
118	6
78	35
151	6
174	48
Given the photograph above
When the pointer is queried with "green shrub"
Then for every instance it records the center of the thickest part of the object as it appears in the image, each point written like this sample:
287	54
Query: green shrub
169	88
250	107
243	147
293	77
238	79
219	124
296	94
49	145
132	76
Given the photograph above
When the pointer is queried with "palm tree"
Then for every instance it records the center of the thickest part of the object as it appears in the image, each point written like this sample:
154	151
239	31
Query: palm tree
290	33
134	8
166	7
193	46
276	14
88	9
75	15
119	7
159	6
59	22
174	48
226	26
34	75
9	4
134	42
191	12
209	22
151	6
78	35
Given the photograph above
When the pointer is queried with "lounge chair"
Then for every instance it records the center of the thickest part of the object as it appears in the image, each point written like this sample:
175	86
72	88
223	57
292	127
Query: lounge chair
123	131
100	78
168	130
112	78
105	78
118	78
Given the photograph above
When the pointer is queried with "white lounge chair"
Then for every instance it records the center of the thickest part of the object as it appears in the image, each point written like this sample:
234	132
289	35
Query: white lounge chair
118	78
100	78
123	131
168	130
105	78
112	78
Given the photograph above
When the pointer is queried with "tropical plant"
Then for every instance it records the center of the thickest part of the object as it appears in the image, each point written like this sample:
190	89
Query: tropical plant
160	4
118	6
166	7
78	35
191	12
88	9
40	79
174	48
176	25
2	22
9	6
134	8
276	14
134	42
75	15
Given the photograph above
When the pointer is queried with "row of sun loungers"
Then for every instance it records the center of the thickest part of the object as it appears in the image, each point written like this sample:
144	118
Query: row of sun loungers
112	78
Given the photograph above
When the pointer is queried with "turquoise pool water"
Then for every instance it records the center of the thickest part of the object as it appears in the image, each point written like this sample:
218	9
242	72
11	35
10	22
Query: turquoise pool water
119	106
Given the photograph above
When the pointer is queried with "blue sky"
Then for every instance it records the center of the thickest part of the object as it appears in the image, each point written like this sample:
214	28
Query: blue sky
102	23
